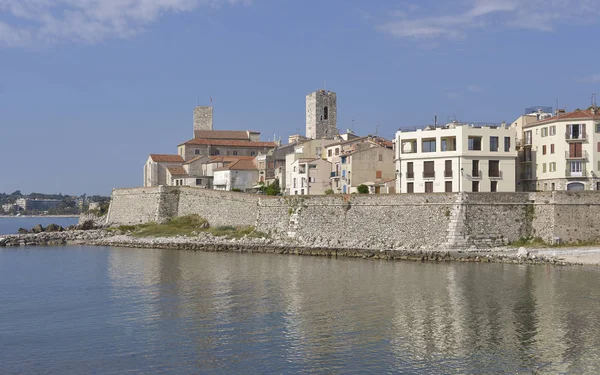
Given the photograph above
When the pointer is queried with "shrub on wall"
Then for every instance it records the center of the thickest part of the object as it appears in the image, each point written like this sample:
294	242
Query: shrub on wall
362	189
328	191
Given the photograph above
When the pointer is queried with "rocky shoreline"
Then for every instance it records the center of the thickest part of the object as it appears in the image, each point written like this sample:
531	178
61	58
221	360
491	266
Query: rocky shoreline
209	243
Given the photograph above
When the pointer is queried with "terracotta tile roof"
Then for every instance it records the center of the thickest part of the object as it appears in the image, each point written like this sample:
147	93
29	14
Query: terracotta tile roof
165	158
177	171
224	134
233	143
583	114
194	159
240	165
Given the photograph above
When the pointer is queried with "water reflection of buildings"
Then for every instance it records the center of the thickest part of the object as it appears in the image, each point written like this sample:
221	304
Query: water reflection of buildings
310	311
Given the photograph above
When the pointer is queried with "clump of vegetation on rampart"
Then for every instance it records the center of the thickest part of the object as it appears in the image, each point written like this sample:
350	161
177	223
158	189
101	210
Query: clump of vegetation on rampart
190	225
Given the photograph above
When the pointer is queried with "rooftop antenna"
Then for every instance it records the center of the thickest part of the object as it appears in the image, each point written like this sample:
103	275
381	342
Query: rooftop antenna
377	129
594	100
352	125
435	120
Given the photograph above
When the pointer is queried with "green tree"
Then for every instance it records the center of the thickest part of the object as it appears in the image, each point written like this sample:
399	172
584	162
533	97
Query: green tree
328	191
273	188
363	189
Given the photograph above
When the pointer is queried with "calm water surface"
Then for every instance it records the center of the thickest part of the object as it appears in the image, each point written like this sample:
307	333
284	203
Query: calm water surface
11	225
81	310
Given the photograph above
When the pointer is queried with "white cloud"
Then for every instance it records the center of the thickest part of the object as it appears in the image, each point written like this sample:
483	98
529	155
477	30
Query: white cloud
28	22
456	20
592	78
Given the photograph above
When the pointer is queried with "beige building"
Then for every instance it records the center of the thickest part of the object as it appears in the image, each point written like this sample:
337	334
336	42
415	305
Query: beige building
309	176
241	174
456	157
155	169
561	152
311	149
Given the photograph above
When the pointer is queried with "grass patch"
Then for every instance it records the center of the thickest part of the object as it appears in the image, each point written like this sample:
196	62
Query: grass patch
189	226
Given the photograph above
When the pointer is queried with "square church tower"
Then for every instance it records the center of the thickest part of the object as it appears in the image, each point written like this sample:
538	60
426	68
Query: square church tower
321	115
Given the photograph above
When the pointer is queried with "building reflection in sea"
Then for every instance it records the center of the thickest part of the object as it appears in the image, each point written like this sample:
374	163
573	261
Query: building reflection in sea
242	312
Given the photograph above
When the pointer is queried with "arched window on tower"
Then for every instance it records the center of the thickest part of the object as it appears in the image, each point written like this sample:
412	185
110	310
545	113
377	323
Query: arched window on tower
325	113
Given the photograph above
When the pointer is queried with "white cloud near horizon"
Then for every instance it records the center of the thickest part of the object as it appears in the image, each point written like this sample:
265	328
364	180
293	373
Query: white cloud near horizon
473	15
592	78
27	22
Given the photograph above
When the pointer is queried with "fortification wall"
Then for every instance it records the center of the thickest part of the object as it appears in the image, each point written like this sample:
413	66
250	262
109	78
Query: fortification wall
395	221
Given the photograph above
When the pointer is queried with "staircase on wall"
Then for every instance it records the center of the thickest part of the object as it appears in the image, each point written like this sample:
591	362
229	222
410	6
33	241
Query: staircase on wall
457	238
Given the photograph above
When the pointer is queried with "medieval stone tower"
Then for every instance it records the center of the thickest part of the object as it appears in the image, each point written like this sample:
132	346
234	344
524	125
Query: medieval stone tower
203	118
321	115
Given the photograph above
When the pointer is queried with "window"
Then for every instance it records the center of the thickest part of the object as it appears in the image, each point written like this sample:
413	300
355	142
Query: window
325	113
475	169
448	168
576	167
235	153
252	153
294	183
428	145
552	148
215	152
552	186
378	174
449	144
381	156
575	150
428	169
429	187
544	150
343	160
197	152
599	165
410	187
337	151
598	146
311	179
506	144
575	131
553	130
493	144
329	152
448	187
598	127
552	167
475	186
544	168
528	137
409	170
198	181
544	132
494	186
494	168
474	143
301	191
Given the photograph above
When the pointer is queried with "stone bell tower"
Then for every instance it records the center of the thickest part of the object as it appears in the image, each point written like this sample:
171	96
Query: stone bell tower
321	115
203	118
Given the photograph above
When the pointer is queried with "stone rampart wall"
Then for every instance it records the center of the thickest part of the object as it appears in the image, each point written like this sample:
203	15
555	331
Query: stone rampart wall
395	221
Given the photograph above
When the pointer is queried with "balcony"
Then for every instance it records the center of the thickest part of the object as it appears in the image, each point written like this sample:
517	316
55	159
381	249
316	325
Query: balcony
526	176
410	175
429	174
495	175
448	173
576	137
476	175
528	142
335	174
582	155
570	173
526	160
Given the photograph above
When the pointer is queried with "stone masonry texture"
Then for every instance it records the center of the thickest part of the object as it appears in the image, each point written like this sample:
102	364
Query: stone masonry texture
467	221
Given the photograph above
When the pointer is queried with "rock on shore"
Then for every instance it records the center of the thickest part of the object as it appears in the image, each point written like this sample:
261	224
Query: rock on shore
53	238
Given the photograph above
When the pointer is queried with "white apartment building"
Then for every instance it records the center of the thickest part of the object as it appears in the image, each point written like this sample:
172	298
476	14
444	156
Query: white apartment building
562	152
310	176
456	157
311	149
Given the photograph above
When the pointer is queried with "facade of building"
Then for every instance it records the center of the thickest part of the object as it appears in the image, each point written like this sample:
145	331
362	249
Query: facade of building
27	204
155	169
241	174
311	149
456	158
561	152
309	176
321	115
366	163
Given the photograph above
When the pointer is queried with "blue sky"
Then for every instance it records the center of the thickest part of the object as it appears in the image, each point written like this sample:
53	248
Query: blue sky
90	87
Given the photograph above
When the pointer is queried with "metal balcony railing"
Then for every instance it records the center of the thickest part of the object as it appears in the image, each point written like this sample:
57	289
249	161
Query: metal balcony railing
576	154
576	137
476	174
410	175
335	174
448	173
570	173
429	174
497	175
